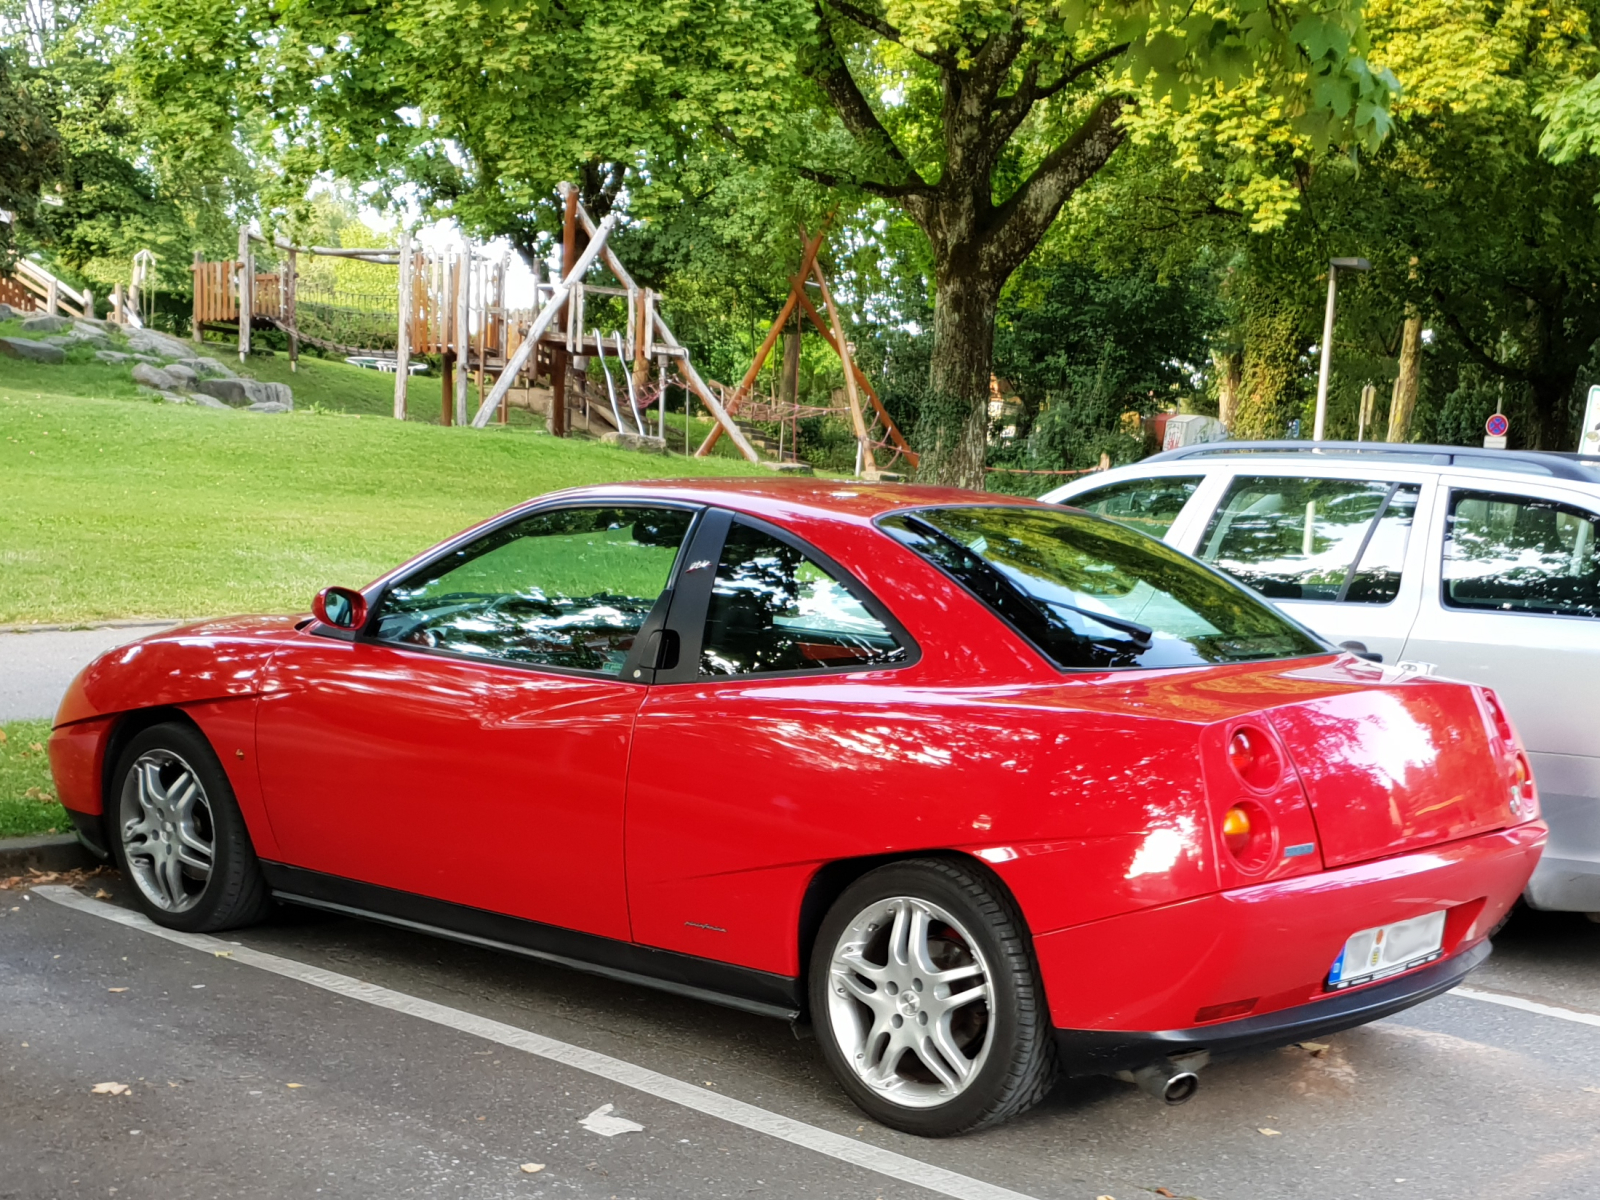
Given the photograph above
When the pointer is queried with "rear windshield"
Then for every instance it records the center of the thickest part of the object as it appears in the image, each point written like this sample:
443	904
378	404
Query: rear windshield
1091	594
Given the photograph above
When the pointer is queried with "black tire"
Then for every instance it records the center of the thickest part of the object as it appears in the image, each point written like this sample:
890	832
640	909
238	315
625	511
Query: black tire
233	892
1018	1067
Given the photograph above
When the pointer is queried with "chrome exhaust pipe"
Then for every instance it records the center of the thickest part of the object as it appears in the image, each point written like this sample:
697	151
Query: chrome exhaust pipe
1166	1081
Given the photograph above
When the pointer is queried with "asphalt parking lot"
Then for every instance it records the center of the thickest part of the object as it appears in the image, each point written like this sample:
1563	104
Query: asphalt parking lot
317	1055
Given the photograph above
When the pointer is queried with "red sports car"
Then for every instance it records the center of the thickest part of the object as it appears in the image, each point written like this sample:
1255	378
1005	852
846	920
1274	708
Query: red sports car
982	789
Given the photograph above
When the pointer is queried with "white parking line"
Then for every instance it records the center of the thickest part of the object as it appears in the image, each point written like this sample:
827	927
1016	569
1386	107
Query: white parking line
1533	1006
736	1112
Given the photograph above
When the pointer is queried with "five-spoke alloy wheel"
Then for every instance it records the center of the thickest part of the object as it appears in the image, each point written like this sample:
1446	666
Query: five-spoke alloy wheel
177	833
925	998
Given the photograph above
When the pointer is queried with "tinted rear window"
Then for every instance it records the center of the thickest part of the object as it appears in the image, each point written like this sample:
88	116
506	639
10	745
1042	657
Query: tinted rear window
1091	594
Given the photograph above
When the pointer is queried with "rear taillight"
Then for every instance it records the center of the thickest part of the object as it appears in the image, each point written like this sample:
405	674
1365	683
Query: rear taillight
1524	798
1248	835
1254	758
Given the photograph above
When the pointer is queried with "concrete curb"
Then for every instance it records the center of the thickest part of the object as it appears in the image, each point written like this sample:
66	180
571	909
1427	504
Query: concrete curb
53	852
127	623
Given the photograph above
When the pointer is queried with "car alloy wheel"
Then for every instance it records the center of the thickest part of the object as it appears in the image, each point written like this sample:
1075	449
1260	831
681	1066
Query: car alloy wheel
908	1001
168	831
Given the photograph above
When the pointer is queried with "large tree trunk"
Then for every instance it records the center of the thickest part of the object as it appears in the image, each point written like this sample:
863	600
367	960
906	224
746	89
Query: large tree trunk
1271	368
1408	382
1230	372
954	424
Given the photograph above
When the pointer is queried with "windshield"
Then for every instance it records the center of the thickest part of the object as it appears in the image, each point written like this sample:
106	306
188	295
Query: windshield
1092	594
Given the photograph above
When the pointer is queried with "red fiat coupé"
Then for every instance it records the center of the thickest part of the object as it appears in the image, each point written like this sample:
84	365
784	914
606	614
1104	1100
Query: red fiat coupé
981	788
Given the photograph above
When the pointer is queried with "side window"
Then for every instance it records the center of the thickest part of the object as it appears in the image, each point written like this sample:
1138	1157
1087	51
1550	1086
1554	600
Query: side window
773	609
1313	539
568	588
1520	554
1148	505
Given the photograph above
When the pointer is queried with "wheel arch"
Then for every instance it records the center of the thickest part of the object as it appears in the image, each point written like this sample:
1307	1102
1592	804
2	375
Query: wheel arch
123	730
831	879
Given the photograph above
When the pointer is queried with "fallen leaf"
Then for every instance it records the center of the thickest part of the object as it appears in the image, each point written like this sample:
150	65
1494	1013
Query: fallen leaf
294	1085
1270	1132
1592	1089
531	1168
1105	1198
116	989
1165	1192
102	894
110	1089
2	737
1317	1049
223	953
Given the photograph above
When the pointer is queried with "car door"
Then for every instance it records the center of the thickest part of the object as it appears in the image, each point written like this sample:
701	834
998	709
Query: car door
471	744
1334	550
1512	600
750	761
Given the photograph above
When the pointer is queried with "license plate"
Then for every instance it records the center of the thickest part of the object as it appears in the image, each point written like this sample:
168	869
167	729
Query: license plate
1388	950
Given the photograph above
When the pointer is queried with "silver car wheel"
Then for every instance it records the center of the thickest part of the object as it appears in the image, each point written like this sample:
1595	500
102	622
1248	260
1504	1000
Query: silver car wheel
908	1002
168	835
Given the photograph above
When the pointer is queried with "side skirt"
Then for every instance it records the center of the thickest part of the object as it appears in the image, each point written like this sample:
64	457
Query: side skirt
758	992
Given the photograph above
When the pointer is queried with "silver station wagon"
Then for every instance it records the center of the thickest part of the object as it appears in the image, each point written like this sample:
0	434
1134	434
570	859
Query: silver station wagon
1483	563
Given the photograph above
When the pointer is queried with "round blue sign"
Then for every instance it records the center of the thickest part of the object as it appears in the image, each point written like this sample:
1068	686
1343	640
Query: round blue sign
1496	425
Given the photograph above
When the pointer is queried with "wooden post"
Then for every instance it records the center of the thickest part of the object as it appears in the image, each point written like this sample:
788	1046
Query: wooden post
287	308
402	340
869	467
661	374
115	315
197	321
245	287
52	297
483	324
558	372
447	314
463	330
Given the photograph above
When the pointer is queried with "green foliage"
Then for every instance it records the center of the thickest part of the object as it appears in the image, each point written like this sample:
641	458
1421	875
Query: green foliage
28	803
30	159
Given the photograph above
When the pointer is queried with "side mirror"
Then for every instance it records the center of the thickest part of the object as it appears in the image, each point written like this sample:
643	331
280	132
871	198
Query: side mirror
340	607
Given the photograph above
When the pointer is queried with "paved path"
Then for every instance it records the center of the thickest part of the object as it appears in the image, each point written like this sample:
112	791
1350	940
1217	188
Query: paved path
1457	1099
35	668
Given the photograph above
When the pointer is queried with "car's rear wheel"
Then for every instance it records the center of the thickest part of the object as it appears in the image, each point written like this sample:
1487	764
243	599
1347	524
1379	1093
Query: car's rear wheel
178	836
926	1000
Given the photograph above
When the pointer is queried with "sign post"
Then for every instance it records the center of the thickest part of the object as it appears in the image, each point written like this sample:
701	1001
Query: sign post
1495	430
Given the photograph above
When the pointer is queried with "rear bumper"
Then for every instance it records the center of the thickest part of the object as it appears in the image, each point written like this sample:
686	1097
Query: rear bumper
1096	1052
1249	957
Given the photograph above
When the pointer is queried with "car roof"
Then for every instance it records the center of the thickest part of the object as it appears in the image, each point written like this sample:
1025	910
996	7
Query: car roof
779	498
1553	464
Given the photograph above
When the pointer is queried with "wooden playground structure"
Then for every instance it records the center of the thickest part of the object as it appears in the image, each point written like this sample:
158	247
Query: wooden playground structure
452	304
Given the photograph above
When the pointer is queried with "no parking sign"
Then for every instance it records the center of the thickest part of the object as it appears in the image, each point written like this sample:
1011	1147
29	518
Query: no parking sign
1495	429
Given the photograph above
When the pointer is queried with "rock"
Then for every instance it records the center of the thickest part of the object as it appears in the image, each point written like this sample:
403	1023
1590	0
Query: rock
45	324
639	442
148	341
184	375
90	329
208	368
205	401
789	468
175	398
32	351
7	312
154	377
241	393
269	406
112	356
146	358
58	340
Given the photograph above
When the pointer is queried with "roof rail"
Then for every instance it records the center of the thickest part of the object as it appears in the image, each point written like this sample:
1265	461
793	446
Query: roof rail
1556	464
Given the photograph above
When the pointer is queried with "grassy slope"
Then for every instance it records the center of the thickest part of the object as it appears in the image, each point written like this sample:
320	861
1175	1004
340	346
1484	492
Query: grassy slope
27	793
116	506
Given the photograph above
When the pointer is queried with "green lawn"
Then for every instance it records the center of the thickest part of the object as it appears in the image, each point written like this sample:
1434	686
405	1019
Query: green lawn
116	505
27	793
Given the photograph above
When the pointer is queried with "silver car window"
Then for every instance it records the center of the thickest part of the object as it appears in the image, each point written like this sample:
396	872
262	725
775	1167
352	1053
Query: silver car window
1148	505
1520	554
1296	538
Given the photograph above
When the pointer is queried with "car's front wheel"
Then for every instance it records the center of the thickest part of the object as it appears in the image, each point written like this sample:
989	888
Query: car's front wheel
926	1000
178	835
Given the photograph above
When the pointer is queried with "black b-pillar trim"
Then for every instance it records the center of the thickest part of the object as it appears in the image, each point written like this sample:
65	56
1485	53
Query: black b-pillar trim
759	992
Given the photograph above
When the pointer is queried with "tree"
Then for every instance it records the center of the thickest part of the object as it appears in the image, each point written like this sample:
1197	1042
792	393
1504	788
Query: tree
30	159
980	120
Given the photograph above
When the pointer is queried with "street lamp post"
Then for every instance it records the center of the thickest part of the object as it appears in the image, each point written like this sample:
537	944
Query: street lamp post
1334	267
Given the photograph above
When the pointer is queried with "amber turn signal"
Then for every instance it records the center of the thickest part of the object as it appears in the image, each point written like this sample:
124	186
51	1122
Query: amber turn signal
1236	829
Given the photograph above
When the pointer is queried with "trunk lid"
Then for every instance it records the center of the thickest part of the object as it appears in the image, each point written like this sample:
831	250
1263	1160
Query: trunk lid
1395	767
